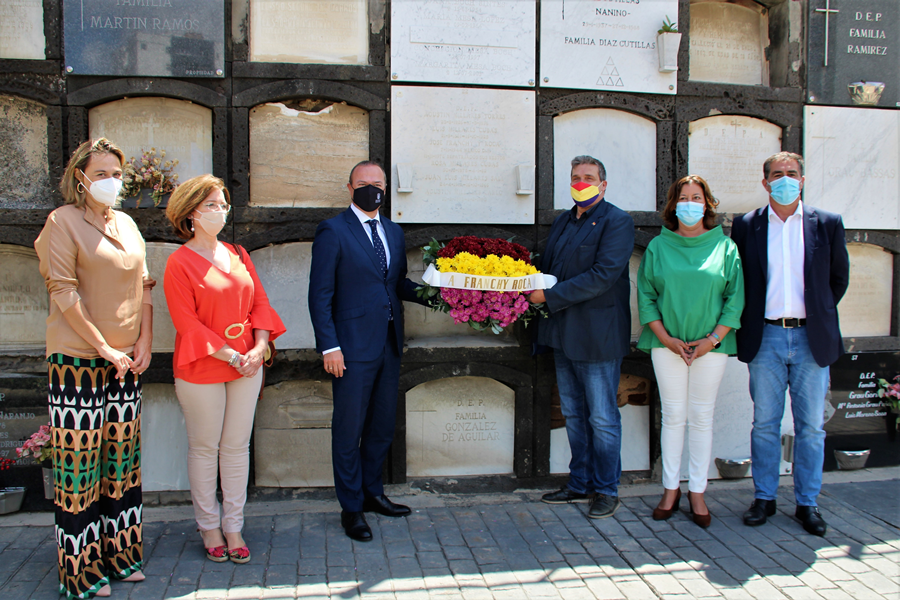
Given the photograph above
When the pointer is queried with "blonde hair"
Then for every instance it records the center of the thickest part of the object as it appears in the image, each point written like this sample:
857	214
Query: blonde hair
68	185
187	197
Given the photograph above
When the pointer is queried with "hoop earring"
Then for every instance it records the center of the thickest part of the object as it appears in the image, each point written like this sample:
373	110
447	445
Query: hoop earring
83	189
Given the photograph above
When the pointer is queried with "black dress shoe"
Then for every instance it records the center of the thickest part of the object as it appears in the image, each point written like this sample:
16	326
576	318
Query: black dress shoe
383	506
355	526
564	496
812	520
759	512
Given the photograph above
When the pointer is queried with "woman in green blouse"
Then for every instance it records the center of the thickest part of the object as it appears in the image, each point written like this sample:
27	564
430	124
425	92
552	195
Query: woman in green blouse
690	297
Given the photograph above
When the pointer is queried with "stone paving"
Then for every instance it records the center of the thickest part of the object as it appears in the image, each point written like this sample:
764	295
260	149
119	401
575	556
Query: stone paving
514	547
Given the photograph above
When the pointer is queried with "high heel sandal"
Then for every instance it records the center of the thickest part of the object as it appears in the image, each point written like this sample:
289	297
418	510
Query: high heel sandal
661	514
703	521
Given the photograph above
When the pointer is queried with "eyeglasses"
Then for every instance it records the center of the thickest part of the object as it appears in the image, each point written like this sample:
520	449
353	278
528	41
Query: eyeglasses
216	207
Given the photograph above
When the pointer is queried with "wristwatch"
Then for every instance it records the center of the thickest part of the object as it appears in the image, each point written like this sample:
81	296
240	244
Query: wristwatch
715	340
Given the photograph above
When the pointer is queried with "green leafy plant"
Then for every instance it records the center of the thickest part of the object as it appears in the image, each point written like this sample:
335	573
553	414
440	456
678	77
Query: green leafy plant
668	26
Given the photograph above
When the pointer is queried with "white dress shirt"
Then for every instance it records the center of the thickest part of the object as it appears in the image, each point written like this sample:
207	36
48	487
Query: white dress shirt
784	280
364	219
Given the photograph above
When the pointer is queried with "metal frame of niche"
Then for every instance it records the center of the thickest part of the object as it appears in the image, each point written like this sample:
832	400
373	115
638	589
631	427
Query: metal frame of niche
659	109
242	67
281	224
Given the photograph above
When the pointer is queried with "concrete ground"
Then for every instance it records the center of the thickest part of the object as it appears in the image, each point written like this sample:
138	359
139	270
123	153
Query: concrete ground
511	546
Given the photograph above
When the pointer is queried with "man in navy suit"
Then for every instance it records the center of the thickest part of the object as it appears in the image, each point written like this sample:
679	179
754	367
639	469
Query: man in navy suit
589	329
356	284
796	270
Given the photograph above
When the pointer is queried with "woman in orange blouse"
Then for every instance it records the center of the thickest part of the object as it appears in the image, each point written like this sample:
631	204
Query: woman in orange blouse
99	334
223	324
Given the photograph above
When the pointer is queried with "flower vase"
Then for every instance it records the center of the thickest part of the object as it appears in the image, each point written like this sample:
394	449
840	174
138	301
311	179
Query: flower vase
145	200
47	475
667	45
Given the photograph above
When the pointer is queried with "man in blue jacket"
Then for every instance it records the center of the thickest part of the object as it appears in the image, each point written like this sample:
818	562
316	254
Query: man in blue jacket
356	283
589	329
796	270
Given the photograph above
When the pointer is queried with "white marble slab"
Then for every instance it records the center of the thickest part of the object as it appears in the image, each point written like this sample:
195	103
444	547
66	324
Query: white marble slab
635	453
606	45
853	164
624	142
728	151
332	32
301	158
24	303
634	263
158	254
865	310
181	128
454	41
727	43
284	273
24	170
164	444
460	426
22	29
463	147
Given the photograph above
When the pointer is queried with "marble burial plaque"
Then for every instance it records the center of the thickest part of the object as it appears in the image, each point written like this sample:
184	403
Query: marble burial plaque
181	128
853	164
448	41
865	310
24	174
460	426
728	152
853	41
24	303
163	329
147	38
854	392
621	140
634	263
22	29
727	44
635	453
462	155
301	156
292	435
23	409
428	328
284	273
605	45
164	444
307	31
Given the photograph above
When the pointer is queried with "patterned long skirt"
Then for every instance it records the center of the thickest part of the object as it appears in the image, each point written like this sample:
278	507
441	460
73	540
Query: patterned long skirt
96	427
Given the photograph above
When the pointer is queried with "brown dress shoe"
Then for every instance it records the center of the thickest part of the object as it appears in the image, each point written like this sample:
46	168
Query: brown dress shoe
662	514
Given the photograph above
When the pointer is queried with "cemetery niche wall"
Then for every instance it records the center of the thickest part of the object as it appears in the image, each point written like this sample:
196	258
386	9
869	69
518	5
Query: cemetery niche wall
24	170
728	41
22	30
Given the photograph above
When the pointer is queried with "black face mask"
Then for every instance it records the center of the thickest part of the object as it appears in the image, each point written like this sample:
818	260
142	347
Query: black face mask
368	197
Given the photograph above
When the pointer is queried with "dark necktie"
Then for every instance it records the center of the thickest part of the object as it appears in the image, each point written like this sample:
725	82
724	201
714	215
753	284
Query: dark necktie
382	258
379	247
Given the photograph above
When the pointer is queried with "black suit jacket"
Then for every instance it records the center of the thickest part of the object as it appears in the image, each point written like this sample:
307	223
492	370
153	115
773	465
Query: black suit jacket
826	270
589	305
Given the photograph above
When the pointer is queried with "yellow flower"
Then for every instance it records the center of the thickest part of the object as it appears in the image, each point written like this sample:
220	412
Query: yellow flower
489	266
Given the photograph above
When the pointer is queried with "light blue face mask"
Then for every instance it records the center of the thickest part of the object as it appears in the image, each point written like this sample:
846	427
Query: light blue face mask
689	213
784	190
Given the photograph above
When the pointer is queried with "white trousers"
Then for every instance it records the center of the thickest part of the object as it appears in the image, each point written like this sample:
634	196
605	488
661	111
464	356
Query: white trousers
688	396
219	420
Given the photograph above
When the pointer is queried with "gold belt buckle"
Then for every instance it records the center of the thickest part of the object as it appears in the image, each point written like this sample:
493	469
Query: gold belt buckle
238	334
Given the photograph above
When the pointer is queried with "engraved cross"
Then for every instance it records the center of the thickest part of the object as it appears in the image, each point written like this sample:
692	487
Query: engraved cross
827	10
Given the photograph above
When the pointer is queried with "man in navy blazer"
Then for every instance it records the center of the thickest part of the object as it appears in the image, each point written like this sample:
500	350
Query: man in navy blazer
356	284
589	329
796	270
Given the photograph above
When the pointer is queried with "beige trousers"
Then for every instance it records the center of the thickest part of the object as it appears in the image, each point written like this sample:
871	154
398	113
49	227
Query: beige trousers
219	421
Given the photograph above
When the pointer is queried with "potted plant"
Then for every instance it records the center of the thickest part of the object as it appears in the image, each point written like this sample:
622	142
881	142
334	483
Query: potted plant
10	497
40	447
667	41
150	178
890	398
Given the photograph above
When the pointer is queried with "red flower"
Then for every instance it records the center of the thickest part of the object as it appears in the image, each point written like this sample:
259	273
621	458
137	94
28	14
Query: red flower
481	247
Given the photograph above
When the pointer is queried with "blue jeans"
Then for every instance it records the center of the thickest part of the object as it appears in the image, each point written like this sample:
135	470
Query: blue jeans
587	393
784	359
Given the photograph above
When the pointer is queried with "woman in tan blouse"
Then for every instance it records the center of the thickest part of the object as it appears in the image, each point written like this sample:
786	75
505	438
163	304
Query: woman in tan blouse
99	334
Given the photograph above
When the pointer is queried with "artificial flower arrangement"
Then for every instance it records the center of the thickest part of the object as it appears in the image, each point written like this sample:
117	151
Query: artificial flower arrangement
39	446
890	393
483	282
150	172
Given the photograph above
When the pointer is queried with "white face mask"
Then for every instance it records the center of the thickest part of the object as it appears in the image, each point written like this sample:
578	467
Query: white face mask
104	191
211	222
